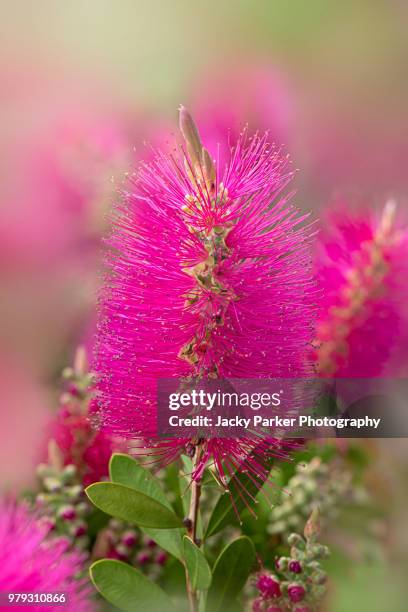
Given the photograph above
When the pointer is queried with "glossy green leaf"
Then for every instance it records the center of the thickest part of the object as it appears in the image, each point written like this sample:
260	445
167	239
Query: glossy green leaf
127	471
127	588
243	486
198	569
230	573
132	506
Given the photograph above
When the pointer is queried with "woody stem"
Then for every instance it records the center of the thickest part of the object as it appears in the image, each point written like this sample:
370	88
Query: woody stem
191	522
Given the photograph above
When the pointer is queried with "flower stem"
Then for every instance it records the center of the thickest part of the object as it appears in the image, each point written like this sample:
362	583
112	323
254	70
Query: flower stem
191	522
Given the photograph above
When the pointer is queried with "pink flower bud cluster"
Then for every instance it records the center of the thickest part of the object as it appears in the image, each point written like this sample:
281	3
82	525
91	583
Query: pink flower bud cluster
298	583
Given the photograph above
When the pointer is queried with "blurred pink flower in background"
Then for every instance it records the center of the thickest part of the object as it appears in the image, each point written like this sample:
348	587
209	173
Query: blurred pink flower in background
362	266
30	562
352	148
62	140
23	416
227	97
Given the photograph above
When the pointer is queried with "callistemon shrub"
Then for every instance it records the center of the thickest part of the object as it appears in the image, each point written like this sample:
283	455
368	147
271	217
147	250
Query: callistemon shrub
362	269
209	276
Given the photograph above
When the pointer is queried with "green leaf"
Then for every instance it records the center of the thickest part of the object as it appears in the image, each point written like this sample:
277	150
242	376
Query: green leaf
126	471
230	573
243	486
127	588
197	566
131	506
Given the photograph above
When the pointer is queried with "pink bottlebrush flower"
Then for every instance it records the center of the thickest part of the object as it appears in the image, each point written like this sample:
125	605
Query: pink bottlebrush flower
210	277
352	148
261	99
32	563
72	429
362	268
81	446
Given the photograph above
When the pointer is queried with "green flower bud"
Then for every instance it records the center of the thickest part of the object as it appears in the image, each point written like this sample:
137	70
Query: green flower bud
295	539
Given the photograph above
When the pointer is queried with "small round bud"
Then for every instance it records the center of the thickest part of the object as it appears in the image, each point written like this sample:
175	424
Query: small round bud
281	564
116	524
67	513
161	557
112	554
129	538
295	539
296	592
79	529
143	557
122	551
149	542
53	485
295	566
74	492
69	471
318	551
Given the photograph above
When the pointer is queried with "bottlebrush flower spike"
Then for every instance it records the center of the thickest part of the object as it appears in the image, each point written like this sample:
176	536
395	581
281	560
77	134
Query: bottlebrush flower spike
71	430
210	276
32	563
362	269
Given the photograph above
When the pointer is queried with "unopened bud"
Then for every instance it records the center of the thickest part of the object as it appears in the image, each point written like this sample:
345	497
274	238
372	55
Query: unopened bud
318	551
67	513
79	529
209	169
74	492
296	592
295	566
191	136
281	564
295	539
312	527
129	538
143	557
161	557
69	471
53	485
